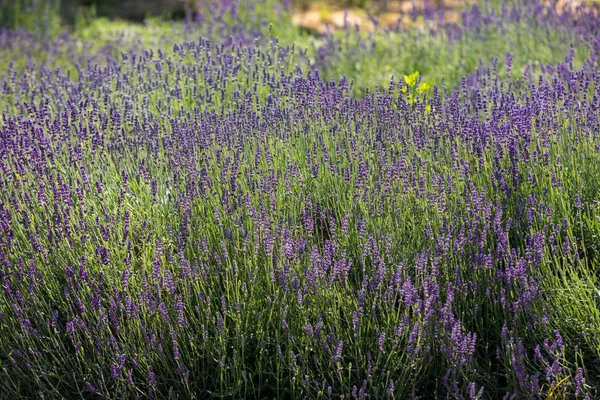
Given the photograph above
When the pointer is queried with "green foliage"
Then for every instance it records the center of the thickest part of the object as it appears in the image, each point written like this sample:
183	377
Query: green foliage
41	16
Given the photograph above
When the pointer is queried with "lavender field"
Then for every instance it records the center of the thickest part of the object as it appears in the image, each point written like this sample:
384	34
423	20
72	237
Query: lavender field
229	207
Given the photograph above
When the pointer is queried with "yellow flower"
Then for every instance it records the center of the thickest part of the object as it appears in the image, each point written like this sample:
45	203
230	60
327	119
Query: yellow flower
424	86
411	80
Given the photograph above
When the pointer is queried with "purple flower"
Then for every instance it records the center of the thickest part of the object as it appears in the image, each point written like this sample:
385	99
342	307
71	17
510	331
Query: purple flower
337	357
91	387
579	382
390	388
151	377
381	342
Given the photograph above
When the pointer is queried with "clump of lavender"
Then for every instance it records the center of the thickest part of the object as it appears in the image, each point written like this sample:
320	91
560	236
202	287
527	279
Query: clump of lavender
217	220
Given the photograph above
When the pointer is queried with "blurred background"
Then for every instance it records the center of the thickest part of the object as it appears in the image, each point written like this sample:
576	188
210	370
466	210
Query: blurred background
35	14
441	40
134	10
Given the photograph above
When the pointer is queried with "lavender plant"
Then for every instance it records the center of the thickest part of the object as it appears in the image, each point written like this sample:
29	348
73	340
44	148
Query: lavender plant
217	220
